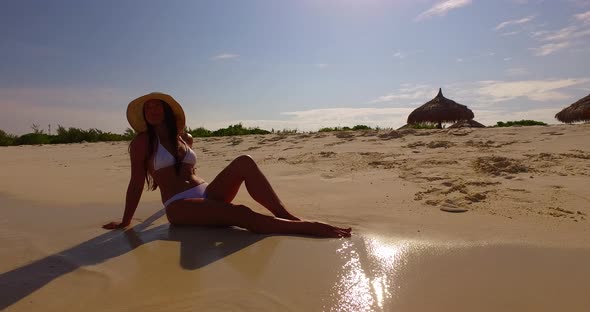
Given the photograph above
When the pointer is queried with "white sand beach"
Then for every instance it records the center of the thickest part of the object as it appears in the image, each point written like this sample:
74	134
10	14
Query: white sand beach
515	239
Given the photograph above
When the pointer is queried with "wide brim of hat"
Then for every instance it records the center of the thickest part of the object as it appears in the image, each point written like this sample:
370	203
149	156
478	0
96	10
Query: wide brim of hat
135	111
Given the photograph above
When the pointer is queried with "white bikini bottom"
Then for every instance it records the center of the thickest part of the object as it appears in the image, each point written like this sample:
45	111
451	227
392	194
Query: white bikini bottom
198	191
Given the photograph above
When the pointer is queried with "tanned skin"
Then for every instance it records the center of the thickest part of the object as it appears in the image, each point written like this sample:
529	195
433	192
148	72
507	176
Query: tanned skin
217	209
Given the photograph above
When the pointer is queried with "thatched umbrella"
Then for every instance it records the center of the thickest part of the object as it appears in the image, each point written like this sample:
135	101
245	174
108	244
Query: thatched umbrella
579	111
439	110
467	124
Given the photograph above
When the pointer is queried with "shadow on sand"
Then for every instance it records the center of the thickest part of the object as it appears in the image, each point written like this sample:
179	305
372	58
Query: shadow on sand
199	246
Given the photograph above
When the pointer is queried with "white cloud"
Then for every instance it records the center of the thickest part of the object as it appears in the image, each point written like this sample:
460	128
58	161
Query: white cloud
535	90
583	17
510	33
225	56
491	101
489	93
321	65
550	48
442	8
567	33
407	92
515	22
572	36
314	119
346	113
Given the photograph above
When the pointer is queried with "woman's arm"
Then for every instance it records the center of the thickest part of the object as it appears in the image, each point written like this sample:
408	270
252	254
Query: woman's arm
137	151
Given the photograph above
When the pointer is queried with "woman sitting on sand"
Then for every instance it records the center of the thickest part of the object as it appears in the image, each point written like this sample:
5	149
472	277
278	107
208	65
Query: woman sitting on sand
161	154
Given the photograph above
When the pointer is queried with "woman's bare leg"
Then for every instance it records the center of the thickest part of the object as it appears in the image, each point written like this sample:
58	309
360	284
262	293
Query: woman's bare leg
207	212
226	184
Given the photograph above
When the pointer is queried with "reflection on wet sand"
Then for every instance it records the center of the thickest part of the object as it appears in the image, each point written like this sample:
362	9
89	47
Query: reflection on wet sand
385	275
231	269
367	279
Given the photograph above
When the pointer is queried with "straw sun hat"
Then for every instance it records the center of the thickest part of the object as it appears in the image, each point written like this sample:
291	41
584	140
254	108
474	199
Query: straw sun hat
135	111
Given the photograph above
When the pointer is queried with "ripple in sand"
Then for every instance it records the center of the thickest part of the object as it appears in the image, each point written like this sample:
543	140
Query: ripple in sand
344	135
415	144
498	165
390	135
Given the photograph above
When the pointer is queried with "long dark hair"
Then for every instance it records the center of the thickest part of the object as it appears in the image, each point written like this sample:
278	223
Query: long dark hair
170	122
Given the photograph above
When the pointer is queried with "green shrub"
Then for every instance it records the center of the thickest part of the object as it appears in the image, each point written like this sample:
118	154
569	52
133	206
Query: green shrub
199	132
328	129
238	130
32	139
75	135
129	134
361	127
6	139
520	123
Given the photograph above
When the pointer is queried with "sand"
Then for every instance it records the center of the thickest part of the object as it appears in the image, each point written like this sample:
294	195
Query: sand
443	220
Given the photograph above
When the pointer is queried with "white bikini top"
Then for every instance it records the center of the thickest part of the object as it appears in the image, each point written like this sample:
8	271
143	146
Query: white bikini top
164	159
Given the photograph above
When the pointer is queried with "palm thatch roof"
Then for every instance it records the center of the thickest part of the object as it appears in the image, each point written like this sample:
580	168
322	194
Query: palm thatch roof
579	111
439	110
467	124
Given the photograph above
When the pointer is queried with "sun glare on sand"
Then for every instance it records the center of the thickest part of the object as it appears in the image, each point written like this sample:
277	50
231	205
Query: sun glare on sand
366	284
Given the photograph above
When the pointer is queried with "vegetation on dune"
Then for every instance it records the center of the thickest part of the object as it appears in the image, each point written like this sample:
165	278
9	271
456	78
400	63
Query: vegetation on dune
229	131
285	131
6	138
76	135
355	128
520	123
199	132
69	135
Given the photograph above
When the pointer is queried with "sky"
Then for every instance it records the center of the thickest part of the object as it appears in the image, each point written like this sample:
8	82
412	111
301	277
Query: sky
289	65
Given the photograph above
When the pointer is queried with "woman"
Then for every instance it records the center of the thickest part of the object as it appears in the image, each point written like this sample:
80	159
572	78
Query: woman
162	155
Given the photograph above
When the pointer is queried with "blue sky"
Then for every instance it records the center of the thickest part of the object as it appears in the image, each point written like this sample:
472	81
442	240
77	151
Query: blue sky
300	64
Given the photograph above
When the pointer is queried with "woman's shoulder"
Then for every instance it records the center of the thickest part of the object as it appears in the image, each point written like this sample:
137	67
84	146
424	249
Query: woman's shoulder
140	142
187	138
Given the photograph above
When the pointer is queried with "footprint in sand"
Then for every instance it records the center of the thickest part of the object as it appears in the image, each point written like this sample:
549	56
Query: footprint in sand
498	165
453	209
447	207
462	132
327	154
552	133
